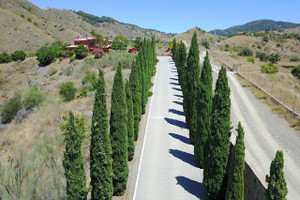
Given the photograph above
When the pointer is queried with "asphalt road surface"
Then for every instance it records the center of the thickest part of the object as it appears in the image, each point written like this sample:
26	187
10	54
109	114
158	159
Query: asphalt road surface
167	169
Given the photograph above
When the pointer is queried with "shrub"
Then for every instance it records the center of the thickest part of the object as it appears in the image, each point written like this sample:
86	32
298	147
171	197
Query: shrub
10	108
46	55
33	97
18	55
262	56
274	57
81	51
52	72
226	47
60	58
265	38
72	59
29	19
251	59
296	71
67	91
99	53
89	77
69	70
294	59
245	52
269	68
259	46
205	43
35	23
5	58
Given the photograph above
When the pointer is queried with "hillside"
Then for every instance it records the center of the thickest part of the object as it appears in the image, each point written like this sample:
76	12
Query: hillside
256	26
26	27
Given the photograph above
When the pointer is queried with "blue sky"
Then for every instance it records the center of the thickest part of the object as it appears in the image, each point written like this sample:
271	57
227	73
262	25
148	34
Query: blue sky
178	16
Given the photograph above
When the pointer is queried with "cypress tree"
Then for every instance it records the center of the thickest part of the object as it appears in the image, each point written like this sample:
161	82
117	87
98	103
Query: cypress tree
73	161
130	122
235	187
174	50
119	134
277	188
192	79
135	87
100	152
204	106
218	144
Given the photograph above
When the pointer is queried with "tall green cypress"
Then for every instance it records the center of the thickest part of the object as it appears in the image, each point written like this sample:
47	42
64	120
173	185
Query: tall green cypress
277	187
100	151
235	186
192	79
130	122
204	110
119	134
135	86
218	143
174	50
73	161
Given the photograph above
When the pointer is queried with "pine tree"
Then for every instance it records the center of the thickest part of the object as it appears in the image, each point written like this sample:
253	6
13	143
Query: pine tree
192	79
130	122
73	161
181	65
100	151
235	187
204	107
277	188
174	50
135	86
119	134
218	144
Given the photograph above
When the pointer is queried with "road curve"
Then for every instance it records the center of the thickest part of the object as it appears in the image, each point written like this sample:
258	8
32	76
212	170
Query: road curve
167	169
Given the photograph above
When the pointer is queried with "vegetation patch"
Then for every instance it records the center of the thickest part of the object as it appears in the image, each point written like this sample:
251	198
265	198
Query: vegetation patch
269	68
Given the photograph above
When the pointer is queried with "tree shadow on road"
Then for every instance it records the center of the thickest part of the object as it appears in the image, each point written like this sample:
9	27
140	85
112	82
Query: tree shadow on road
177	112
174	79
193	187
173	83
178	89
181	138
184	156
175	122
177	95
178	102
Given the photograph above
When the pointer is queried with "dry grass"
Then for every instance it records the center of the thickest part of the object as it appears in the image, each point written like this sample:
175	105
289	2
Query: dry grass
43	124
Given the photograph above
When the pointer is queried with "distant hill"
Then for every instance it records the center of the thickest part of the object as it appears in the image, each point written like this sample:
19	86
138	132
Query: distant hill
24	26
256	26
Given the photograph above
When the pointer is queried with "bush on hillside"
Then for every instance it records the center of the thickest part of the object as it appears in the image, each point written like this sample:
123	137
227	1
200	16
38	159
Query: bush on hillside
205	43
99	53
81	52
5	58
67	91
89	81
295	59
266	38
269	68
296	71
262	56
46	55
18	55
33	97
10	108
251	59
245	52
274	57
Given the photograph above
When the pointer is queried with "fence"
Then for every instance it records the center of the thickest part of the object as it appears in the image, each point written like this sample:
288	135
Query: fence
279	94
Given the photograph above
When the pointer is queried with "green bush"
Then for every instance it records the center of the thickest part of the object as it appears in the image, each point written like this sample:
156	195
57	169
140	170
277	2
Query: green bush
5	58
18	55
274	57
72	59
245	52
29	19
90	77
262	56
67	91
269	68
81	52
296	71
265	38
226	47
52	72
251	59
205	43
10	108
295	59
46	55
33	97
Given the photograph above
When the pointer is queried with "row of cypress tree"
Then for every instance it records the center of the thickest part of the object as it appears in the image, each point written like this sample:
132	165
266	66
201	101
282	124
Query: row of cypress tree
207	117
111	146
208	121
